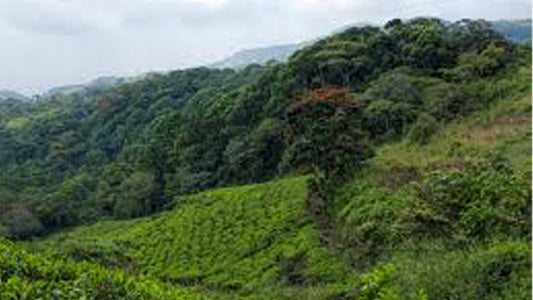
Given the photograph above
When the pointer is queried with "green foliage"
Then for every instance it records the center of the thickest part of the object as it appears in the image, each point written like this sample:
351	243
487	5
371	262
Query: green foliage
229	238
134	197
19	221
500	271
484	199
448	101
387	119
324	133
441	211
463	208
31	276
422	130
189	130
381	284
478	65
369	222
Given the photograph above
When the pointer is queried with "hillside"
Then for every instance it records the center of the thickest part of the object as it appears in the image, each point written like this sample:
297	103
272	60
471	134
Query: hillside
436	210
377	163
12	95
260	241
129	151
241	240
43	276
230	238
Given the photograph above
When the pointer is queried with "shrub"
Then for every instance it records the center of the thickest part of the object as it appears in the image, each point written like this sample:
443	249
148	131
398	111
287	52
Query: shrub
20	222
381	284
447	101
483	200
499	271
422	130
368	222
488	62
386	118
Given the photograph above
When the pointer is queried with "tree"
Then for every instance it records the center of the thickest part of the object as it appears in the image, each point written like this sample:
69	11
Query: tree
134	199
325	133
20	221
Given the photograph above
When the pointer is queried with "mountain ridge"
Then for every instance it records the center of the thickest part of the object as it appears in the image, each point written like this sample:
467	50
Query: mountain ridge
12	95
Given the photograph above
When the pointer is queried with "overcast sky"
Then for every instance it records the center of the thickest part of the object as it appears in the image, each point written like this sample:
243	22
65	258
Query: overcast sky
46	43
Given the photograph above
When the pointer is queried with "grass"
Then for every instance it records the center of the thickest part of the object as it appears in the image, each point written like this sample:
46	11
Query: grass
504	127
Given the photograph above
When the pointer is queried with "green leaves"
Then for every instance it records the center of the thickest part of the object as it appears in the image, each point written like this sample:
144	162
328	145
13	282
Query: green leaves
41	276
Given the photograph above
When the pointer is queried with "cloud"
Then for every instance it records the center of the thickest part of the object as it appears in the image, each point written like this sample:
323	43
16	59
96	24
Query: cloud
45	17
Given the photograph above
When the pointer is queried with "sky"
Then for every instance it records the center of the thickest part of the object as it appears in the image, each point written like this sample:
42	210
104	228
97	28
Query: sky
47	43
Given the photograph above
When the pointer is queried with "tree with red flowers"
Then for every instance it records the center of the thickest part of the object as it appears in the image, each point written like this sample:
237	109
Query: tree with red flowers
324	133
324	102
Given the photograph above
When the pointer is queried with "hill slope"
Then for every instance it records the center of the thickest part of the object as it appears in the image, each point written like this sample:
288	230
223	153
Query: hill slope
452	213
260	242
44	276
12	95
413	139
242	238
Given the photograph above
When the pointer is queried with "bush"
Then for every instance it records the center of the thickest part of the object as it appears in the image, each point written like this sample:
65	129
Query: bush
474	65
386	118
28	276
4	231
381	284
483	200
422	130
368	222
448	101
500	271
20	222
395	86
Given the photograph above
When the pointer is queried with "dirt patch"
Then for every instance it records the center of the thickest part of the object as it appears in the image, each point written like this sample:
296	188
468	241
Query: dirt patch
507	126
520	119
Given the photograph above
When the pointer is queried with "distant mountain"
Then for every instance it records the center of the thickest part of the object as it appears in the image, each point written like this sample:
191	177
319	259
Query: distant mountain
518	31
12	95
99	83
260	56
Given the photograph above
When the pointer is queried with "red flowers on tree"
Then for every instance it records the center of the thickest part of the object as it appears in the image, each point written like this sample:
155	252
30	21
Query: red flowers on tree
324	102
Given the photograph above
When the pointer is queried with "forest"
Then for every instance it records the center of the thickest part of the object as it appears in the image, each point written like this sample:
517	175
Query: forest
384	163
